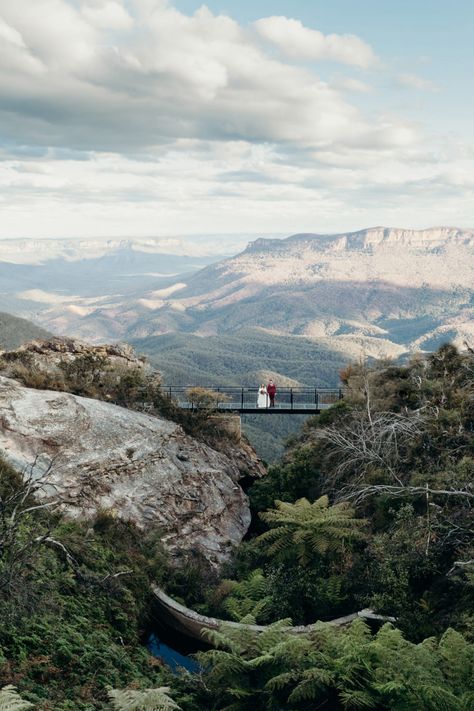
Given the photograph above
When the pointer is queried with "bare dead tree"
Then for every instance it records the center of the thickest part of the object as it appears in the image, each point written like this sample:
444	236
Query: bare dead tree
22	497
461	564
18	501
364	492
370	440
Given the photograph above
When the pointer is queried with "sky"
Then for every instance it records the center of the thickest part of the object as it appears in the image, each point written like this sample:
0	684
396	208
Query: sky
131	118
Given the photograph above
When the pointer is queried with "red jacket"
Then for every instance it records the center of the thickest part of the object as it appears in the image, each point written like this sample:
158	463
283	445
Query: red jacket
271	390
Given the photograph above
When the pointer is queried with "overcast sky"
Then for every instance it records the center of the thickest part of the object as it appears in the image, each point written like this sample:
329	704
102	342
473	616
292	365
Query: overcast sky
148	117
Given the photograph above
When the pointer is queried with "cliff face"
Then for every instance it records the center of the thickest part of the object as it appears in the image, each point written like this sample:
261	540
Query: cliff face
371	238
140	468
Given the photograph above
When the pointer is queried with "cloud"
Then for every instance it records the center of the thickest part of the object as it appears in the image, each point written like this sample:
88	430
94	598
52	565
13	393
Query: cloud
10	35
14	54
351	84
132	118
413	81
300	42
107	14
124	77
204	186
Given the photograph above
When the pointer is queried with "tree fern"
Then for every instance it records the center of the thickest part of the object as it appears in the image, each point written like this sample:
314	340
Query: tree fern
238	679
311	684
338	668
148	700
10	700
250	596
457	659
356	699
307	529
279	682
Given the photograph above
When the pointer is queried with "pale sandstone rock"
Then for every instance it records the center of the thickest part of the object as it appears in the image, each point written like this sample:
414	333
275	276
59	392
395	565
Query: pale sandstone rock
141	468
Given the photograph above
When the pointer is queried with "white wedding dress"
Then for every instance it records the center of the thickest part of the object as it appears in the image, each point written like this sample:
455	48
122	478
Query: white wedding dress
262	399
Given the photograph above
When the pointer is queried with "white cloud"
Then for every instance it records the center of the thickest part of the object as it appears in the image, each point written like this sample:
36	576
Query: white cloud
199	186
10	35
108	14
413	81
300	42
14	53
132	118
54	32
351	84
167	76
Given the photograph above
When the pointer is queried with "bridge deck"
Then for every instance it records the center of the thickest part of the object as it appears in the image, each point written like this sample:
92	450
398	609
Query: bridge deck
296	401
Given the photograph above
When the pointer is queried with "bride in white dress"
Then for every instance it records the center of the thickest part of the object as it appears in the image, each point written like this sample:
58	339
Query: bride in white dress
262	399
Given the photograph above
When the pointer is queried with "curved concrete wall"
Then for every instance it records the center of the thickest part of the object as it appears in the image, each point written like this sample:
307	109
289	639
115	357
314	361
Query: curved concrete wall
194	625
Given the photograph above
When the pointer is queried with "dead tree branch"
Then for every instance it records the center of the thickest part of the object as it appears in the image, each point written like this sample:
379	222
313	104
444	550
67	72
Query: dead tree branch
364	442
365	492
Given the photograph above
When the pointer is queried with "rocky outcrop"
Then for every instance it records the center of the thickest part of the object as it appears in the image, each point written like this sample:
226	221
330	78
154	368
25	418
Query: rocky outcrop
50	353
139	467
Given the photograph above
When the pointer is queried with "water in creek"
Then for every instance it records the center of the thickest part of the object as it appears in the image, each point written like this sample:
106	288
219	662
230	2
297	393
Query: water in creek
174	649
173	659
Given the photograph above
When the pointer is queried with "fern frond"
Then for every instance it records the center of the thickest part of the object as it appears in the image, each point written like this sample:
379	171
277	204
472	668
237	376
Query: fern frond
260	661
277	683
307	690
223	638
275	533
239	693
226	662
357	700
147	700
435	697
389	688
10	700
310	528
313	682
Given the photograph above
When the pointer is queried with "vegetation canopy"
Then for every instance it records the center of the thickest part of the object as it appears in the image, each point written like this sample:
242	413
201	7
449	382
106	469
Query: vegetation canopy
371	506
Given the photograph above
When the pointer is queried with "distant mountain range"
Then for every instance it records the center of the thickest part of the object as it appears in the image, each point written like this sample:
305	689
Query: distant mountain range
294	309
56	281
376	292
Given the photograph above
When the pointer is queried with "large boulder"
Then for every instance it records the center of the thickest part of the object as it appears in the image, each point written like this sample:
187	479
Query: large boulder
139	467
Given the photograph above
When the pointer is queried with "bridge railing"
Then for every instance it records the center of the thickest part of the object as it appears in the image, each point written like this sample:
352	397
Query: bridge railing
245	398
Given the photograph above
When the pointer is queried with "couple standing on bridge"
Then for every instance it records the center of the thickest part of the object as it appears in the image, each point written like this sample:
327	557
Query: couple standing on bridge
266	395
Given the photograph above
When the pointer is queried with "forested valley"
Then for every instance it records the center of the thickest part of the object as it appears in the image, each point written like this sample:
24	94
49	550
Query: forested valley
371	506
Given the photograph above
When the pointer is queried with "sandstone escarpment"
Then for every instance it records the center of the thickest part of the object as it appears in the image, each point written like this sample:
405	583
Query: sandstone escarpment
139	467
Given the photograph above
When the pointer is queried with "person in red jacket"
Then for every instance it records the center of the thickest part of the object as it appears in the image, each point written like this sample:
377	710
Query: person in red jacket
271	392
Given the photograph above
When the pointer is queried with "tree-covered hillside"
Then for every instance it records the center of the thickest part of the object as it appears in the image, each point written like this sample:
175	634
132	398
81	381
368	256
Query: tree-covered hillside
241	358
14	331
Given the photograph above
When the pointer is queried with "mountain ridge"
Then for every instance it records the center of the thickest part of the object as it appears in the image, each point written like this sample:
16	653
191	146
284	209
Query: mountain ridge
18	250
379	291
370	236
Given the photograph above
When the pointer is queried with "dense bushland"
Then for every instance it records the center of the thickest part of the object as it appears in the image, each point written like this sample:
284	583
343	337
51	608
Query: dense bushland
74	600
372	505
400	450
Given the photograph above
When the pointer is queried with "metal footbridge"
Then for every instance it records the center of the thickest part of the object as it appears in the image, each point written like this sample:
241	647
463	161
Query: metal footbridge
296	401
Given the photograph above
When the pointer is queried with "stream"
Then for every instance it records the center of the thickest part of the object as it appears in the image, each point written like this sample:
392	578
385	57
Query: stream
174	649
